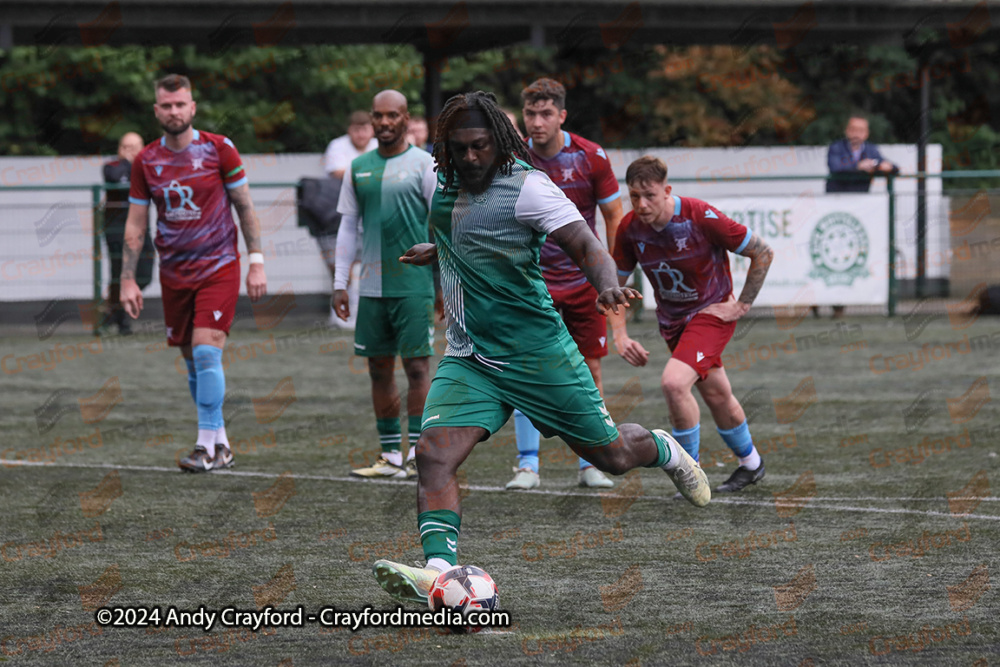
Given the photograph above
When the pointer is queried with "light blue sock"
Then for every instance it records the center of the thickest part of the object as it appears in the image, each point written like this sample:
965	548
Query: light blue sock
192	380
738	439
689	439
211	386
528	438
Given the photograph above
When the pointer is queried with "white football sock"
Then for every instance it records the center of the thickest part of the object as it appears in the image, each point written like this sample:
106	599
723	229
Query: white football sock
675	454
751	461
395	458
412	454
206	440
439	564
220	437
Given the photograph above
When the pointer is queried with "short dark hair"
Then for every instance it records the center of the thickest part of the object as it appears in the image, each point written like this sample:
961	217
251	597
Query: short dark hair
647	169
545	89
359	118
172	83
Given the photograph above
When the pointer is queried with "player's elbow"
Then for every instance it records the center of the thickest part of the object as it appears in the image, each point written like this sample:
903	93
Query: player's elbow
762	254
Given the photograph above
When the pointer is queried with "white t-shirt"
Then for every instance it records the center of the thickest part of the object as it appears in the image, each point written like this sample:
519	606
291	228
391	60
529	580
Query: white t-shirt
341	152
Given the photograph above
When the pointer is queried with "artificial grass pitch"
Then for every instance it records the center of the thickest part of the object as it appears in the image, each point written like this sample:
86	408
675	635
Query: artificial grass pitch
872	540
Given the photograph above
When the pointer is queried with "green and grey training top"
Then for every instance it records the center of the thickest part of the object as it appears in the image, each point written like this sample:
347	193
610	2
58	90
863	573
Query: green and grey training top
391	197
488	248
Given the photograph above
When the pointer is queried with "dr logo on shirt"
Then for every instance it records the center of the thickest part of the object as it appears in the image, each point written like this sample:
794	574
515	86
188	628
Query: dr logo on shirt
185	209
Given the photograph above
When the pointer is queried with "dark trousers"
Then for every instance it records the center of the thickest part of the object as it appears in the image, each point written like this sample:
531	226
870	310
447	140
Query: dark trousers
114	236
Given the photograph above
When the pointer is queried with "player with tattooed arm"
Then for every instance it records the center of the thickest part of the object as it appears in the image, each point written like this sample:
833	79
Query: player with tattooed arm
194	178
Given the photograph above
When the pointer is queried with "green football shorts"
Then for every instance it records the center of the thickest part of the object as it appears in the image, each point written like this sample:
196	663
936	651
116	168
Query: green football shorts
552	386
387	326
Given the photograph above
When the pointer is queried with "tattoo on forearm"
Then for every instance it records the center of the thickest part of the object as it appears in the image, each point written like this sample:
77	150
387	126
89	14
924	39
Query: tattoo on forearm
130	256
760	255
248	217
599	267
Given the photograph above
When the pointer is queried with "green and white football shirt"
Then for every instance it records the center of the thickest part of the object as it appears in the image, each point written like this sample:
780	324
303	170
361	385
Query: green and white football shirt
392	197
488	248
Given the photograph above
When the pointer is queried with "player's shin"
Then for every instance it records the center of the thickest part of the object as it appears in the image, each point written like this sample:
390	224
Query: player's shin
528	438
192	380
689	439
211	391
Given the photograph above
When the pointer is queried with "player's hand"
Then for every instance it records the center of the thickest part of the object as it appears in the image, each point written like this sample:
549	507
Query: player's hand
613	297
885	165
131	297
632	351
421	254
867	164
341	304
256	282
729	310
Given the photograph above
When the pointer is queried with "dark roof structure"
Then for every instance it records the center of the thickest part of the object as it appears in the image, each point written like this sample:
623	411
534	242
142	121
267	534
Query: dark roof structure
446	27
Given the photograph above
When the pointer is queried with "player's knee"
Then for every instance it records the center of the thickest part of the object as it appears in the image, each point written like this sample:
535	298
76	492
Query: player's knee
417	371
432	451
381	369
426	456
716	397
674	387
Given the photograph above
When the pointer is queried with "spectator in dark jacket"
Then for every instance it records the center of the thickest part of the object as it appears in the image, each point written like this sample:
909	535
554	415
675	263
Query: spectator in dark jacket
115	214
854	156
856	161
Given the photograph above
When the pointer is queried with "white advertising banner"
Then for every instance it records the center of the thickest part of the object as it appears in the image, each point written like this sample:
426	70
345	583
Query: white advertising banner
828	249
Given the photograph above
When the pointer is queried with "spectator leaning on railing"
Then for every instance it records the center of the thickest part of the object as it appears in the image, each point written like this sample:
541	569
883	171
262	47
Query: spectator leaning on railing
853	162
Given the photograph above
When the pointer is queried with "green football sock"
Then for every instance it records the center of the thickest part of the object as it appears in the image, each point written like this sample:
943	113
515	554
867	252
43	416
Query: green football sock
662	452
388	434
439	534
414	430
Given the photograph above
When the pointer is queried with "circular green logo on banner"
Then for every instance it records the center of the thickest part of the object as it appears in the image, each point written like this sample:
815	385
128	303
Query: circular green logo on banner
839	249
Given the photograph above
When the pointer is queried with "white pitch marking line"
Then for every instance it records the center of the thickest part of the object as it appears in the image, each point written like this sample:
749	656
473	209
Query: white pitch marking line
806	502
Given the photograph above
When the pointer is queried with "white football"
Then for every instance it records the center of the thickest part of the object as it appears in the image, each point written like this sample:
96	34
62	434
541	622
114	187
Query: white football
464	588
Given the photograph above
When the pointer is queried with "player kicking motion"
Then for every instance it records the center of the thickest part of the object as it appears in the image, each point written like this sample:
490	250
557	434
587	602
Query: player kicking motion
582	171
507	346
682	244
193	177
390	190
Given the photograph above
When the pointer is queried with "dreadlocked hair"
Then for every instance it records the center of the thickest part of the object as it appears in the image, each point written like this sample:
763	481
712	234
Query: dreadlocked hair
509	144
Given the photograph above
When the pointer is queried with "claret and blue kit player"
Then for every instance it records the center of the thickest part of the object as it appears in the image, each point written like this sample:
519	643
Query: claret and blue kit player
193	178
682	245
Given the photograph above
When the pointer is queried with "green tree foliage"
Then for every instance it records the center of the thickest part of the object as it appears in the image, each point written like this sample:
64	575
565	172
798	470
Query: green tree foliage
72	100
720	96
68	100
